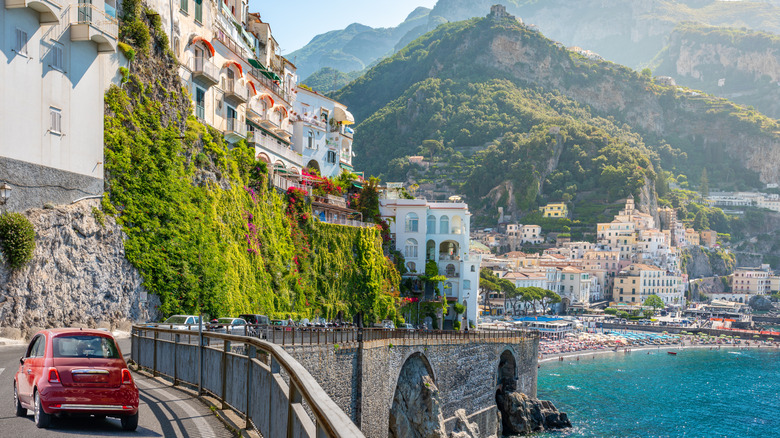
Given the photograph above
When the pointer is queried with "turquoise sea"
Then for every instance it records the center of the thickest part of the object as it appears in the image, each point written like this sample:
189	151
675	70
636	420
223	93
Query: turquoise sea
697	393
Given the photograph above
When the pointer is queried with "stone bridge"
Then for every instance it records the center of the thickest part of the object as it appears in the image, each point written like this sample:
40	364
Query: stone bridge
369	378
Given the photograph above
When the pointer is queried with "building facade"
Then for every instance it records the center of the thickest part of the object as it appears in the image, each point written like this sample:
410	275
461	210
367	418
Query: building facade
57	60
555	210
437	231
638	281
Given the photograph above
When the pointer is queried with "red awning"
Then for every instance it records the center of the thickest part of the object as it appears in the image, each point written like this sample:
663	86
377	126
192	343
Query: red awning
238	66
205	42
267	97
281	108
252	85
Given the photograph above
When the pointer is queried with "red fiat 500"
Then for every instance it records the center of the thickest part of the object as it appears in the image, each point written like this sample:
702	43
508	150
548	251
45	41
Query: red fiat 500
78	372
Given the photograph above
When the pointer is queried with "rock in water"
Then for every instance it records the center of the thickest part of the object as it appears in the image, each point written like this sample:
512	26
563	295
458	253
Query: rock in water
464	429
521	414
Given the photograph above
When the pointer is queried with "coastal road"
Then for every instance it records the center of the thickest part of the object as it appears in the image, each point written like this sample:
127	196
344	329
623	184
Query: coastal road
164	411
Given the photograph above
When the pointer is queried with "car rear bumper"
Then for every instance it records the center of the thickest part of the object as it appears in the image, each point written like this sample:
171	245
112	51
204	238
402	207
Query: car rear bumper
108	401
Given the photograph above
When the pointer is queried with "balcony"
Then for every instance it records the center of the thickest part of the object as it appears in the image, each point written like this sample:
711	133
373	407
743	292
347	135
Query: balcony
282	183
256	113
270	144
235	93
204	70
89	23
234	130
49	11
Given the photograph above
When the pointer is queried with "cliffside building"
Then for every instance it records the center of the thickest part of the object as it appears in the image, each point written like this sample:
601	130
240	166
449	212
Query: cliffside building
437	231
555	210
638	281
57	60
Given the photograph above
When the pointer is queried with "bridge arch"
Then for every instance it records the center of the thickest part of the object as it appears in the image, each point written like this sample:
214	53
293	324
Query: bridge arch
506	369
414	399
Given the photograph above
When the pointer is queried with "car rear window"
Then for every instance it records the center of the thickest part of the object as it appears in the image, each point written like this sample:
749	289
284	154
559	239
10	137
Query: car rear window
85	346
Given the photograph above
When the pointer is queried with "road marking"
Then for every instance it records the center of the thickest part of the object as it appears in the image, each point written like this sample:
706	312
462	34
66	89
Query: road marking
1	370
171	398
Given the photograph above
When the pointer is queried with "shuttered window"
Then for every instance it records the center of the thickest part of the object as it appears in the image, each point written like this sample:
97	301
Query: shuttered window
21	42
56	120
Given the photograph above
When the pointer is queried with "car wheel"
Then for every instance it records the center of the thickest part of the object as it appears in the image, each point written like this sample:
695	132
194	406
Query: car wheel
20	411
130	422
42	419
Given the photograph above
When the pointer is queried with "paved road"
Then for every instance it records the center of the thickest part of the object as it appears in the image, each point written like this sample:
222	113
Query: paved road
164	412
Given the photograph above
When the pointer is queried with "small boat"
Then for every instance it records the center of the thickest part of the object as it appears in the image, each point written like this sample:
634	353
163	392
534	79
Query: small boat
673	353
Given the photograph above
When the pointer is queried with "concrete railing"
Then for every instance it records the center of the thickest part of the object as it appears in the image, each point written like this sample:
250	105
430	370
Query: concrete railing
255	378
89	14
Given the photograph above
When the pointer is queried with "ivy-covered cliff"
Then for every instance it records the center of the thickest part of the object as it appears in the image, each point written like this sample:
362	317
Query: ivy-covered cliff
203	227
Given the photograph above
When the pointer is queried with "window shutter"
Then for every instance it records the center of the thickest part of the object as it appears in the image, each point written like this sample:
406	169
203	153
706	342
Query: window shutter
21	41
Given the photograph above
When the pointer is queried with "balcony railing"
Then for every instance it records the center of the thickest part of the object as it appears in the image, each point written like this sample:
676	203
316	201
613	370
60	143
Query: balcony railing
235	126
201	66
350	223
270	144
95	18
269	84
284	184
234	90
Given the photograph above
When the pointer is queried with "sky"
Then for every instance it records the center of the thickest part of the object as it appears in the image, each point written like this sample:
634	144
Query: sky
295	23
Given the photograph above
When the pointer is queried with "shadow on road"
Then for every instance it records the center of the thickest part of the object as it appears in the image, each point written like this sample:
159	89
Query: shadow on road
83	425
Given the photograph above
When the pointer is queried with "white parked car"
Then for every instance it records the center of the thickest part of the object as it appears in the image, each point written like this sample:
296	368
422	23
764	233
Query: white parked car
231	326
181	322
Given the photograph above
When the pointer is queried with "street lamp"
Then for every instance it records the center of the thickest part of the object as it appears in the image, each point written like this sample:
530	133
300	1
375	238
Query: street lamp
5	193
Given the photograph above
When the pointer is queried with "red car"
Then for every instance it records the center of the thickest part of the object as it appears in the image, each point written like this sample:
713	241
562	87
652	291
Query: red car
77	372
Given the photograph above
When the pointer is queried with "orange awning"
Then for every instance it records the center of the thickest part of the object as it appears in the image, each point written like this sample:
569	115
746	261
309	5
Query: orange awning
281	108
205	42
238	66
267	97
252	85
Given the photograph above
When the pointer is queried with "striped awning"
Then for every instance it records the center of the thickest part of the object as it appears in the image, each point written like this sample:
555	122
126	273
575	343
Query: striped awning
205	42
237	65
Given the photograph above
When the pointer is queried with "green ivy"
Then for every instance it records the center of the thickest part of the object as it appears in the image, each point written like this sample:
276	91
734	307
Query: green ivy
17	239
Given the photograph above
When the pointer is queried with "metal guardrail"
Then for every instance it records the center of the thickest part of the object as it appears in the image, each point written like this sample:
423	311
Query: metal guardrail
201	65
84	13
244	373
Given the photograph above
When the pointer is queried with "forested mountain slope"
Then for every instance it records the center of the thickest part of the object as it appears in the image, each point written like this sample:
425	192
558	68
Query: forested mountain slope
517	115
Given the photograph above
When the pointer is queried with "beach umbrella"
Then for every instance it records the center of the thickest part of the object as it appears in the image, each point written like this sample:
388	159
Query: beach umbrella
770	339
756	336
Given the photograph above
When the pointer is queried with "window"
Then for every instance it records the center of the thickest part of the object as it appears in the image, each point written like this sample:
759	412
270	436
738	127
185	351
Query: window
199	11
431	224
310	140
412	223
56	120
184	6
21	42
331	157
200	103
450	270
410	249
466	284
36	347
444	225
57	60
412	267
84	346
473	268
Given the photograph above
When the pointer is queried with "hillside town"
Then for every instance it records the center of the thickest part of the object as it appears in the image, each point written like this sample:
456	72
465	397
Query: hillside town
632	259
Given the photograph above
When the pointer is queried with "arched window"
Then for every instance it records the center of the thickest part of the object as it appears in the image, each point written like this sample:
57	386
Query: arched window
431	225
412	223
473	268
410	250
310	140
444	225
467	284
450	270
412	267
457	225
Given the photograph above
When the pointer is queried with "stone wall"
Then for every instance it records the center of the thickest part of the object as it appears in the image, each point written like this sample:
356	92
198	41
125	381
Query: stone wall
79	276
336	370
34	185
362	378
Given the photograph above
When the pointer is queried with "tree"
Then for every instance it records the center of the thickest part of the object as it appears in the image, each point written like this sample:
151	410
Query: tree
367	202
700	222
487	285
655	302
548	298
432	147
459	310
704	183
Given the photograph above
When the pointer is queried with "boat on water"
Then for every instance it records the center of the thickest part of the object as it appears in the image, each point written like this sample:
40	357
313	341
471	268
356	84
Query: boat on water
673	353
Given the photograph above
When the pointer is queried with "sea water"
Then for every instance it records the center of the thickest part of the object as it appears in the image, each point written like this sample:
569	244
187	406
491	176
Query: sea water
697	393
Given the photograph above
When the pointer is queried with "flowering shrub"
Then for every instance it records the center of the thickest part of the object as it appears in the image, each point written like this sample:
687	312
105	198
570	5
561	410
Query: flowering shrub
17	239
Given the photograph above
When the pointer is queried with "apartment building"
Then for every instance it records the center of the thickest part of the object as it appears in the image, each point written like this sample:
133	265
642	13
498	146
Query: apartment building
555	210
638	281
322	133
437	231
57	60
752	280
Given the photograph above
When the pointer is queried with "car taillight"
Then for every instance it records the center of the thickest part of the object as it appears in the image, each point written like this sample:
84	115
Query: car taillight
54	376
126	377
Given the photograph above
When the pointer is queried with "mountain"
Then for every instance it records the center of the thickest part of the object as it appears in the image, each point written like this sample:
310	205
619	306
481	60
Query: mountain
511	119
329	79
356	46
739	64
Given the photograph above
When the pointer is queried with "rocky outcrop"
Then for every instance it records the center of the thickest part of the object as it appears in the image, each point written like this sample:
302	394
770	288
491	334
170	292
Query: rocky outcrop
522	415
464	429
700	262
416	411
78	276
759	302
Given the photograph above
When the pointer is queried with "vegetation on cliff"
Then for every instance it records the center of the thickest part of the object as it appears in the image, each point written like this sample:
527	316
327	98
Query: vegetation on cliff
17	240
518	116
202	224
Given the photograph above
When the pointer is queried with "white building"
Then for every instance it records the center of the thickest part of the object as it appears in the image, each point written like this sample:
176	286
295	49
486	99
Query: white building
532	234
437	231
57	60
322	133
